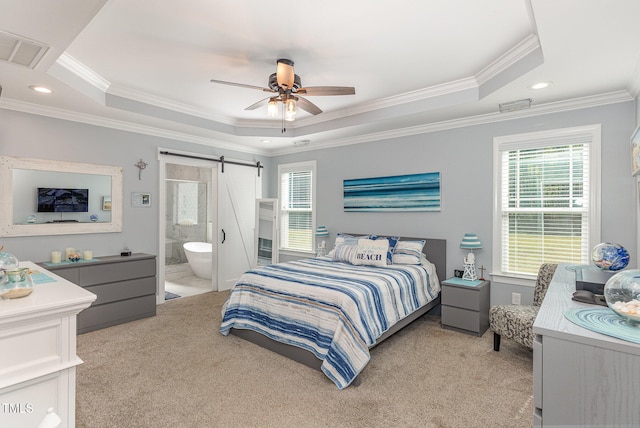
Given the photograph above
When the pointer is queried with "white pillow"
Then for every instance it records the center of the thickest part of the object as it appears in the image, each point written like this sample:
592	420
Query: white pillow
371	253
408	252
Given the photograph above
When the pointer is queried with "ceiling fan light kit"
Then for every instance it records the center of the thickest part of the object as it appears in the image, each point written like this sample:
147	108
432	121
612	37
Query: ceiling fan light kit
290	109
288	86
272	107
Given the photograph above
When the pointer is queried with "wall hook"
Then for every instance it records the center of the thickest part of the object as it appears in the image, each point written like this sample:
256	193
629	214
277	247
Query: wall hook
140	165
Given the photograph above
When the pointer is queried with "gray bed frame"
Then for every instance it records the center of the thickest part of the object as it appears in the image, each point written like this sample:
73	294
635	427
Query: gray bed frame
436	252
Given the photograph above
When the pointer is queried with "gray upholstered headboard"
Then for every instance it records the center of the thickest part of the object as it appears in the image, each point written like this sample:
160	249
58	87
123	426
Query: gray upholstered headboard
434	249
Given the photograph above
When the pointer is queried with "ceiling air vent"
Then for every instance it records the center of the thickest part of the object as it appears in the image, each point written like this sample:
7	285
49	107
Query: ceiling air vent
20	50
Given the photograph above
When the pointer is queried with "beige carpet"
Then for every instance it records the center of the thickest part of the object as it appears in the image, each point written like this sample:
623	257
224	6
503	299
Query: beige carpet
177	370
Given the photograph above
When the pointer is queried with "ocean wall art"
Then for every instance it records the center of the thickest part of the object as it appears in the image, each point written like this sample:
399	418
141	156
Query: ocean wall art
414	192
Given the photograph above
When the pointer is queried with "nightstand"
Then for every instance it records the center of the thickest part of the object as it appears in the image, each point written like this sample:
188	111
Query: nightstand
465	305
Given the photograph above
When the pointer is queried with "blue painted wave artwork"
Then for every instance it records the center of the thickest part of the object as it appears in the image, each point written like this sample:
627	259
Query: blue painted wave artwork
414	192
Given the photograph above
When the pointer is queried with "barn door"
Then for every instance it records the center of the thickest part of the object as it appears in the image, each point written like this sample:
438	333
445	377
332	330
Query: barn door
238	188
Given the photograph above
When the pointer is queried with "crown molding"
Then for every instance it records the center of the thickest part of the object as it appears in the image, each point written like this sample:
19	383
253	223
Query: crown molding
121	125
536	110
483	119
509	59
83	72
146	98
520	51
470	85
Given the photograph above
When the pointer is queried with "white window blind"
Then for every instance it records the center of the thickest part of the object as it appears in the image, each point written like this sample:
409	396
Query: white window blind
296	206
548	202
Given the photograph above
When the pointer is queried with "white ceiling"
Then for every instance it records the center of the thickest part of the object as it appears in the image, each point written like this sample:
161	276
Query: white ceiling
416	64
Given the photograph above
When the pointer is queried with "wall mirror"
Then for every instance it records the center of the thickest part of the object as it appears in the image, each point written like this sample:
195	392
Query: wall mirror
266	234
45	197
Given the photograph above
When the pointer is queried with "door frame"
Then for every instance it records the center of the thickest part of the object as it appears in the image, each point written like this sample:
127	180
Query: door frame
163	160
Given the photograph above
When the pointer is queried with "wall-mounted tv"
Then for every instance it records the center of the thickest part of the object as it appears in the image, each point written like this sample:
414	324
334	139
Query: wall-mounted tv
57	200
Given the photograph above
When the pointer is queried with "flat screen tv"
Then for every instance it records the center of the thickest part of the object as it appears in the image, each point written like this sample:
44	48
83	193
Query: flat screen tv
57	200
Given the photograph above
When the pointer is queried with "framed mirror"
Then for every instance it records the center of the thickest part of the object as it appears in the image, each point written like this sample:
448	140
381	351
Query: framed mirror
45	197
266	239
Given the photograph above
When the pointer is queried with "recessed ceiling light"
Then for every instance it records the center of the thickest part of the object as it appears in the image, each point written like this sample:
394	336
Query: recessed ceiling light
540	85
265	141
40	89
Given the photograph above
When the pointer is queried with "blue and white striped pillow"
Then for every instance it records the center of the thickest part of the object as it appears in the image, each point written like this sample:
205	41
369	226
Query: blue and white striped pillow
408	252
344	253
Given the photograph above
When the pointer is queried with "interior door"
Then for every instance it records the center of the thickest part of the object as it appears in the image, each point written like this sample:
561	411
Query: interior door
238	188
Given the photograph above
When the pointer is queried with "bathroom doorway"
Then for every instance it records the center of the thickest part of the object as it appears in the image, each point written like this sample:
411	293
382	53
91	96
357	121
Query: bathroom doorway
188	187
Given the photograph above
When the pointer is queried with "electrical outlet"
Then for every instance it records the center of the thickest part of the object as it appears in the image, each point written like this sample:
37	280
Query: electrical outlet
515	298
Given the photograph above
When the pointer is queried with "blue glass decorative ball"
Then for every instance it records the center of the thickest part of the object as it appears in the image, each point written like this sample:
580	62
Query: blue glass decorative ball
622	293
609	256
93	218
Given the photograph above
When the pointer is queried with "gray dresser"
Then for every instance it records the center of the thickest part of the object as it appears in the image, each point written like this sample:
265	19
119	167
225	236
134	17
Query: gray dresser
125	288
581	378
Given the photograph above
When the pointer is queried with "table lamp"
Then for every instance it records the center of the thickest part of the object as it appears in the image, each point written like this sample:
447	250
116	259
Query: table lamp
470	242
322	232
51	420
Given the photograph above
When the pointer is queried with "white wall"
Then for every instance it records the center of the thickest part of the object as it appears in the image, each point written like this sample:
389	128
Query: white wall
33	136
464	158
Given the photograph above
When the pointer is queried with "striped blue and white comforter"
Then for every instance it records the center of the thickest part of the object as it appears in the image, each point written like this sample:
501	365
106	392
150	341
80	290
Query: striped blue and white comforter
333	309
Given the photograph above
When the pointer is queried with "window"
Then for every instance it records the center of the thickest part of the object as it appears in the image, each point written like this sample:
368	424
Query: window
187	203
547	193
297	200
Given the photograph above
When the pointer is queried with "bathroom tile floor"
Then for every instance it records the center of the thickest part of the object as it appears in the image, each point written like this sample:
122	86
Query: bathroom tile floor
180	280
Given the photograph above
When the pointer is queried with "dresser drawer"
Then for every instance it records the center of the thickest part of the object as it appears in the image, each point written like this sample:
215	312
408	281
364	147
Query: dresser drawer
468	298
123	290
101	316
463	319
114	272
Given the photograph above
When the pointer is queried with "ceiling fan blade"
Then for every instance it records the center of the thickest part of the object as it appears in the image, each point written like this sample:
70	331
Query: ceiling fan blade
242	85
285	74
327	90
259	104
307	106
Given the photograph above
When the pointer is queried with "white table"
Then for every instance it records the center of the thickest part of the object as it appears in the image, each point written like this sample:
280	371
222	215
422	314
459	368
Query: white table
38	352
580	377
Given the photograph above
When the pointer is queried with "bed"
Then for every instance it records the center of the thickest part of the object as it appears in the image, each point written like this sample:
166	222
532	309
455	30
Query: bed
327	313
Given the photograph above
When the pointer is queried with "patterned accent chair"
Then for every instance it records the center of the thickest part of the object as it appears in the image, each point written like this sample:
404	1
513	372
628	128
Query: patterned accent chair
516	321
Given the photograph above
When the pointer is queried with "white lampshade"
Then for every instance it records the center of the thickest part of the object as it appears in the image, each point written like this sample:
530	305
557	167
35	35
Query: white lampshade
51	420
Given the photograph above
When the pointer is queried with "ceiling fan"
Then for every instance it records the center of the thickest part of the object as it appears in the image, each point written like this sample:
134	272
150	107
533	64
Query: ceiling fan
287	87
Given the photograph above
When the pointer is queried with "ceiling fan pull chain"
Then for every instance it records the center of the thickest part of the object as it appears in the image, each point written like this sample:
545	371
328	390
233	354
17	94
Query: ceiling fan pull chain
283	128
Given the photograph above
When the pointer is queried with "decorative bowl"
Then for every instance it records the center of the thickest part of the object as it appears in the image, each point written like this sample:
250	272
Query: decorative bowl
74	257
622	293
18	284
8	261
610	256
